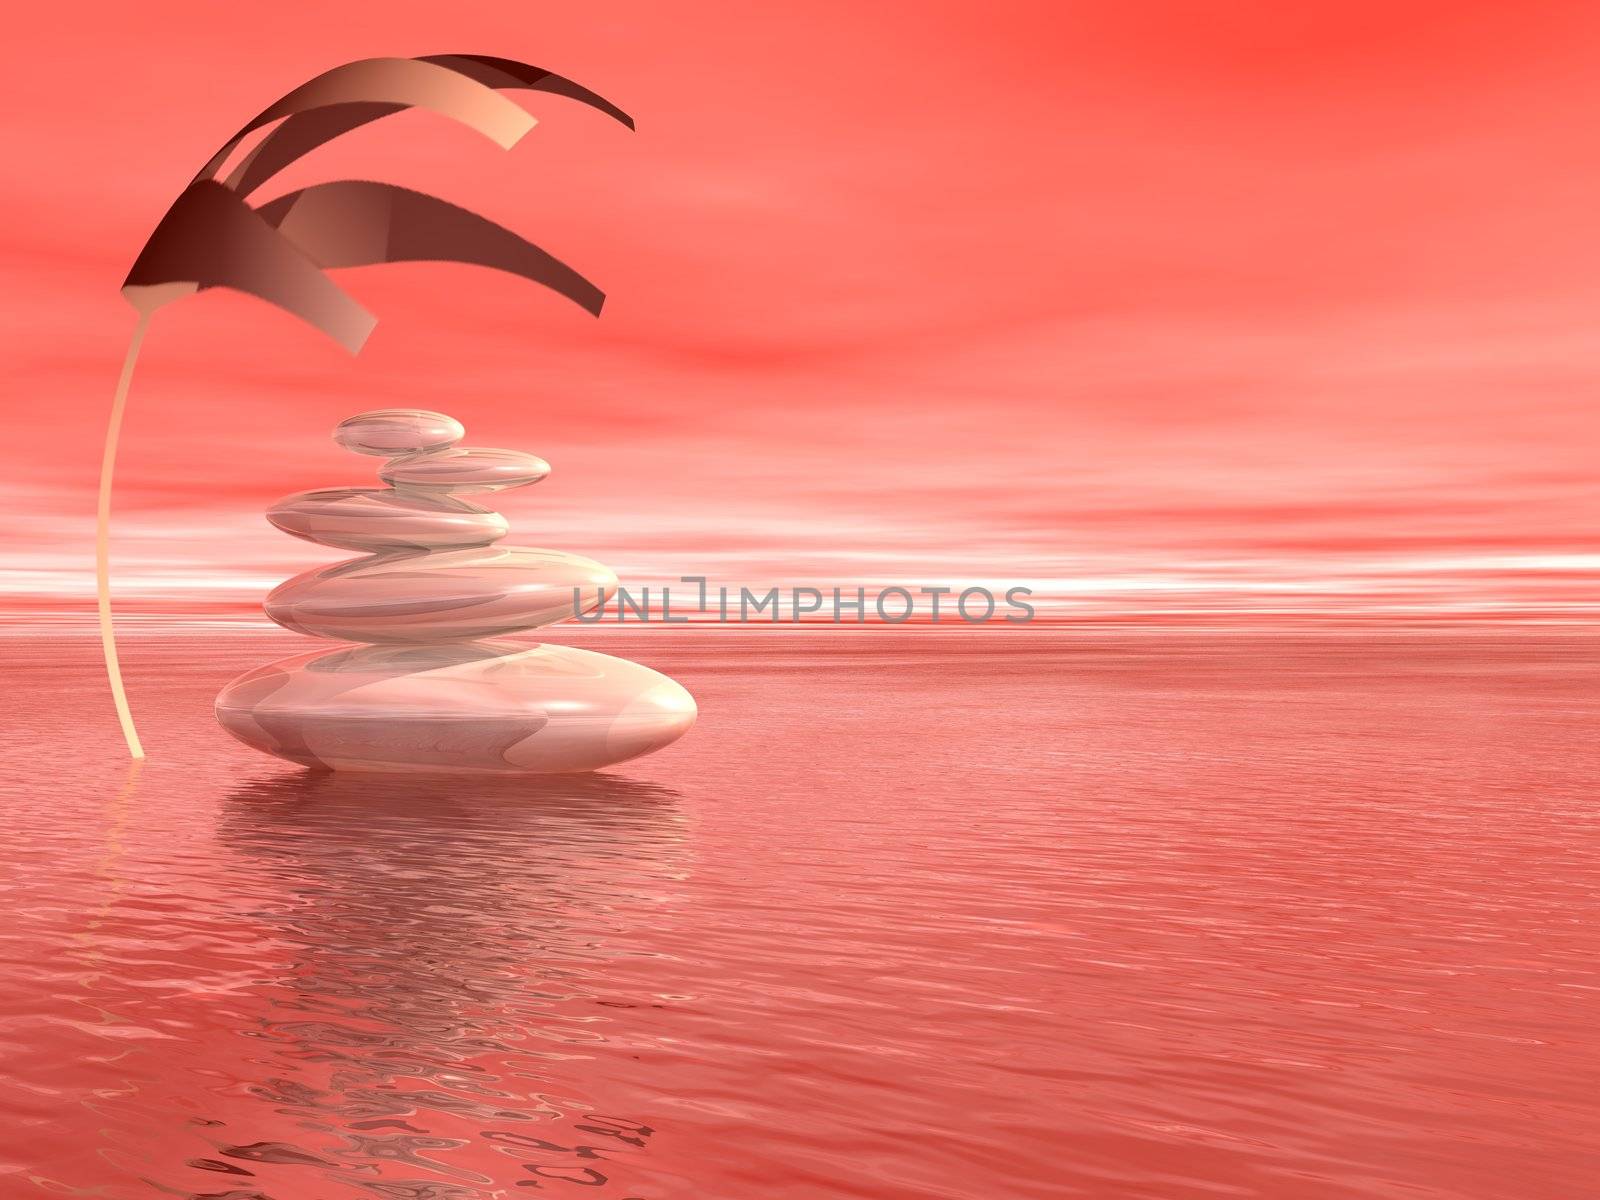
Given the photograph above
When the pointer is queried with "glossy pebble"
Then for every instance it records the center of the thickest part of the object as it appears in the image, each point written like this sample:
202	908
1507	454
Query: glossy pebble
465	469
392	431
477	707
427	693
382	519
440	596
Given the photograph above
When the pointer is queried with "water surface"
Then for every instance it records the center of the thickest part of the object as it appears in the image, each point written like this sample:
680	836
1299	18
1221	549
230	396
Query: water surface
960	914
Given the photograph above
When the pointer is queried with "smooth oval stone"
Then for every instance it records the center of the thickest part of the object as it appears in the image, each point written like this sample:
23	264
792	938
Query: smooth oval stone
391	431
484	707
441	596
465	469
378	519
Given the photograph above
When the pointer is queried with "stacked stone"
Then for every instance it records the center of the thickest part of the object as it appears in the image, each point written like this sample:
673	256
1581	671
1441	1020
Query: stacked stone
432	690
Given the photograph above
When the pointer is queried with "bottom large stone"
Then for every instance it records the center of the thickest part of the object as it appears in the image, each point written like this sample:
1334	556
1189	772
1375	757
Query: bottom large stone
485	707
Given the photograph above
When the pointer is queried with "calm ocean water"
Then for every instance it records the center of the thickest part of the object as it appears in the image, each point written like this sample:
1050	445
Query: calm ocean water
967	914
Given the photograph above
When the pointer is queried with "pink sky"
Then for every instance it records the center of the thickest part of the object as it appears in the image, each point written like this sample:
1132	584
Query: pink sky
1169	307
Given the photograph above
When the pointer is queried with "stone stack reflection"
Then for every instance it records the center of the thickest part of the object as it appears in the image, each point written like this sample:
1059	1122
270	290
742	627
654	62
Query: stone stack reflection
434	688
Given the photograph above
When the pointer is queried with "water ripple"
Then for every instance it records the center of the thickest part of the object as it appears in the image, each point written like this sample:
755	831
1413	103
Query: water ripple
903	918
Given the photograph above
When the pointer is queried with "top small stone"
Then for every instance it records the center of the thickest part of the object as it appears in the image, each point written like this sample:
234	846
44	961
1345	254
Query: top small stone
391	432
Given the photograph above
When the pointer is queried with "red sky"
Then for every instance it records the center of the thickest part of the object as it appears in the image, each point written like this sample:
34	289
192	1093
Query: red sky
1253	307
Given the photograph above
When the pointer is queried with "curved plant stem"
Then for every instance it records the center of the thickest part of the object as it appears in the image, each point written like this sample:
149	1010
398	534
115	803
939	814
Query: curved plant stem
102	541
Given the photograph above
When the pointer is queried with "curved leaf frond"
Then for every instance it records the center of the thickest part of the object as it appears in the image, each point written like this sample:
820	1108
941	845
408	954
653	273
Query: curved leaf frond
354	223
304	131
506	73
397	83
298	136
211	238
